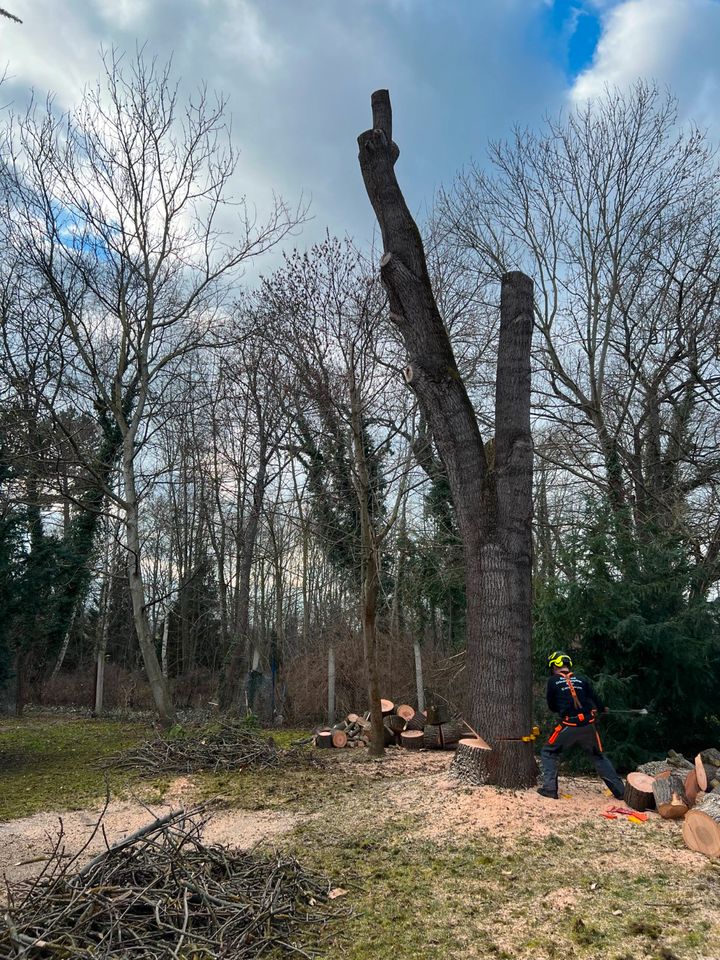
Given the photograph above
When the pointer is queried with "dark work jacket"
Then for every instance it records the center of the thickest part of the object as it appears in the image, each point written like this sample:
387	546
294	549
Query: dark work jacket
560	700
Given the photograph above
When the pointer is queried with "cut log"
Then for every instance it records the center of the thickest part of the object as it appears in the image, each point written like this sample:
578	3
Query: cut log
339	738
352	718
341	725
415	720
711	756
701	830
437	714
701	773
431	737
389	736
670	799
395	723
678	761
324	739
692	789
387	707
412	739
452	733
653	768
470	761
639	791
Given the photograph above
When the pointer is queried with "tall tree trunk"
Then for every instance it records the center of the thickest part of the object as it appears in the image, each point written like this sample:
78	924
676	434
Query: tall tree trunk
331	685
493	501
370	573
419	681
236	667
102	645
160	692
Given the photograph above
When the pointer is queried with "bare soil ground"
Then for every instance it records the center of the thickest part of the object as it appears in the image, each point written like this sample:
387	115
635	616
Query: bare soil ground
403	784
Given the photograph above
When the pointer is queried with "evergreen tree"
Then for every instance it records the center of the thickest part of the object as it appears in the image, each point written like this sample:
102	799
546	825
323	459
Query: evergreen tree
628	612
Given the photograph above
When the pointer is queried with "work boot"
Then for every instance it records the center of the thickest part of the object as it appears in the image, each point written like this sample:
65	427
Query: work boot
550	794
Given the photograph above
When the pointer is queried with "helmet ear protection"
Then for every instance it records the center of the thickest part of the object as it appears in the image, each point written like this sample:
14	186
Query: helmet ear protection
559	659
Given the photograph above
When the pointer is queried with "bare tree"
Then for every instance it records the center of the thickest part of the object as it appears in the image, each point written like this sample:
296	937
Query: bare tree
118	210
614	212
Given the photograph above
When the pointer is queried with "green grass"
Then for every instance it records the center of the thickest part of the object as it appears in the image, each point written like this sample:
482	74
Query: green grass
50	763
493	899
477	896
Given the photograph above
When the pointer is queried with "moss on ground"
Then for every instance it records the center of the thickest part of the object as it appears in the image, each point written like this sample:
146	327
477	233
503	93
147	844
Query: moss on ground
51	763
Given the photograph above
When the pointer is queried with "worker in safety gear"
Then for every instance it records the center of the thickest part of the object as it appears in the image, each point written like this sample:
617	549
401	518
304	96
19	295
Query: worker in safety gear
573	697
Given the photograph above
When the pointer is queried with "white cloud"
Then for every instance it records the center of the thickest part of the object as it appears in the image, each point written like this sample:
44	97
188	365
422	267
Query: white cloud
672	42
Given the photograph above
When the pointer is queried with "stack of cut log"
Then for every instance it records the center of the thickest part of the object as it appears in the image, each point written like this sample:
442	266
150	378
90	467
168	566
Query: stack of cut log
404	726
680	788
354	731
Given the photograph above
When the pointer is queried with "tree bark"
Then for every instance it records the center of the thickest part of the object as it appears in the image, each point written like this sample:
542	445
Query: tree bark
160	692
493	501
331	685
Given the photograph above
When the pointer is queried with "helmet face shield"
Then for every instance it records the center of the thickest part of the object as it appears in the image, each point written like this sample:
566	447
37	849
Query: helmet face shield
558	659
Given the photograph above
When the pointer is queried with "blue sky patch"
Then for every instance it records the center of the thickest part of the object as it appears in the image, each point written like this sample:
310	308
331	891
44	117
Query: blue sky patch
574	29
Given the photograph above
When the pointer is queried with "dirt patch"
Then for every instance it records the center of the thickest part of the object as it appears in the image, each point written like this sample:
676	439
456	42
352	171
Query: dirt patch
24	843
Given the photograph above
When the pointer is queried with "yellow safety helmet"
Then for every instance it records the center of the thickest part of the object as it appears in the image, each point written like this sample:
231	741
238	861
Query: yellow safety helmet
559	659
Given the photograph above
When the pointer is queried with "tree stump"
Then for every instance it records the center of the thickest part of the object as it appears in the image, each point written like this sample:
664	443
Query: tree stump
468	763
324	739
412	739
639	791
415	720
701	830
670	799
339	738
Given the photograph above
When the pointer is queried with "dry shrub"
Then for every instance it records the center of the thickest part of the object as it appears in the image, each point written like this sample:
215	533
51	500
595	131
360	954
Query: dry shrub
306	681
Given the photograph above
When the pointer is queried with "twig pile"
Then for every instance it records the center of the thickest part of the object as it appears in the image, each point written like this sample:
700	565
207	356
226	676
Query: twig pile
162	894
227	747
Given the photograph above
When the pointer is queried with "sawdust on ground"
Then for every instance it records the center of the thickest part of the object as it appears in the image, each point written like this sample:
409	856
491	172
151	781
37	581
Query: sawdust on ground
415	784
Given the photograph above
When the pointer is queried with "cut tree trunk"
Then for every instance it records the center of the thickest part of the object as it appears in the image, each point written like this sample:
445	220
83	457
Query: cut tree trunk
700	772
324	739
701	830
670	799
491	491
339	738
469	761
415	720
412	739
639	791
387	707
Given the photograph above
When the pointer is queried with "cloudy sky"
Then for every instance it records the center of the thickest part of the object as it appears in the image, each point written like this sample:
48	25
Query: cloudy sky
299	74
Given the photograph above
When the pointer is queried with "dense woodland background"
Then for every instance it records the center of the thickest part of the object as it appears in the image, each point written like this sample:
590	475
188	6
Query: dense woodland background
186	459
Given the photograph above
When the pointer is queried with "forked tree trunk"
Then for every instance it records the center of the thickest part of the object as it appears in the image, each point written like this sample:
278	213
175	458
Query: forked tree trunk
492	494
